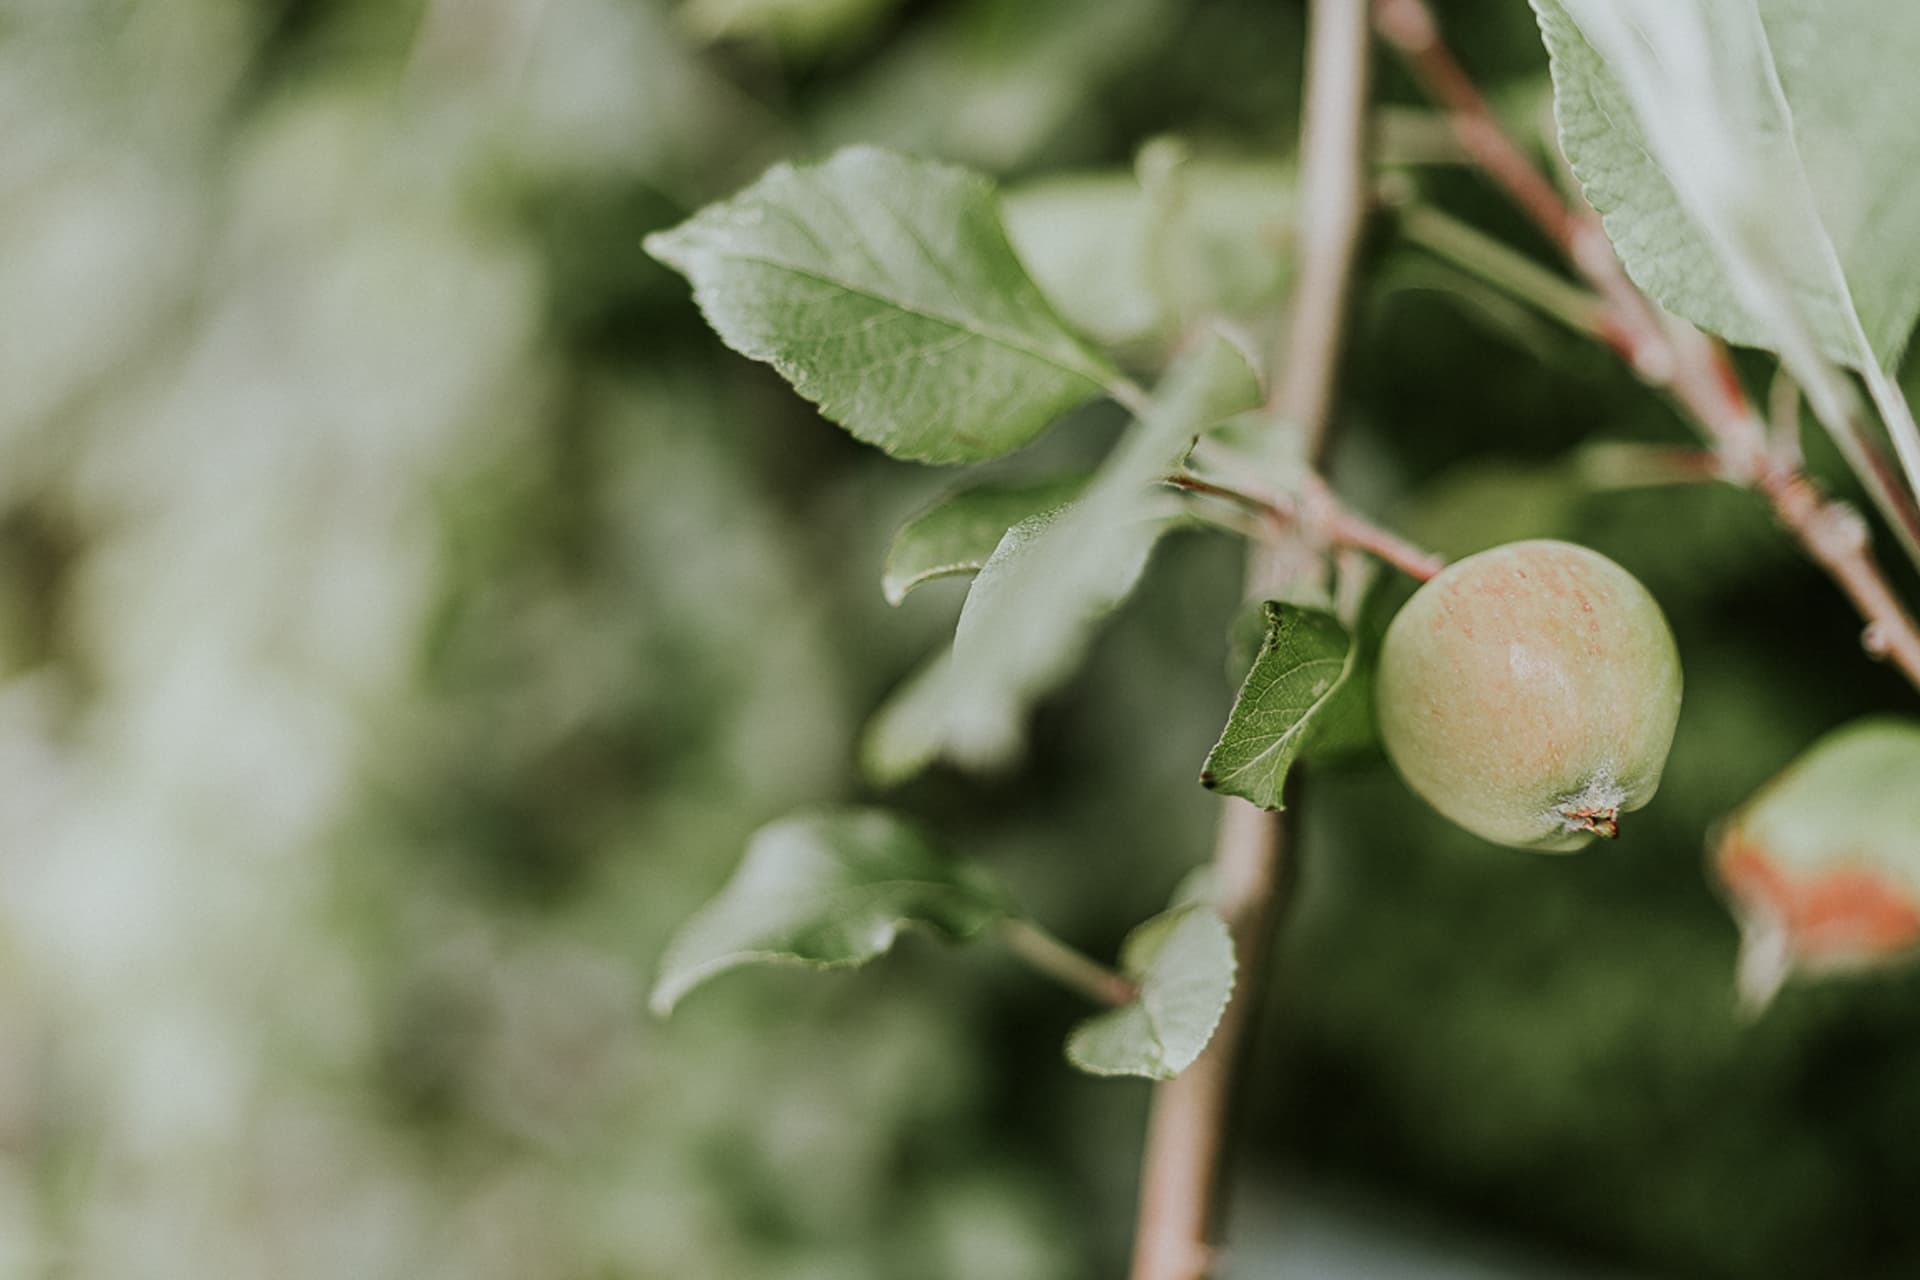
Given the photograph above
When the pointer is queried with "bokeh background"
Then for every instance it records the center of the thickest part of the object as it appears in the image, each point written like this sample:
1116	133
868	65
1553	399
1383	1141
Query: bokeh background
407	609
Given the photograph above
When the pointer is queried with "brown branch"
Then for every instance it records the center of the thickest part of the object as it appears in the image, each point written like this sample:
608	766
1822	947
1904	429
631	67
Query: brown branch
1182	1171
1669	354
1187	1131
1837	537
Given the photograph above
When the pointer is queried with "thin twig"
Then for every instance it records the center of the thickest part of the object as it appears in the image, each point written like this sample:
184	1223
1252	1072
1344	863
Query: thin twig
1131	396
1837	537
1213	489
1331	522
1415	136
1046	954
1783	416
1182	1170
1625	465
1408	25
1695	369
1492	261
1345	528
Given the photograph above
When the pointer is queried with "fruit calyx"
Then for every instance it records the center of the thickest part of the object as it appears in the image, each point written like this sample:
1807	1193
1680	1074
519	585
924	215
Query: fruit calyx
1604	823
1595	808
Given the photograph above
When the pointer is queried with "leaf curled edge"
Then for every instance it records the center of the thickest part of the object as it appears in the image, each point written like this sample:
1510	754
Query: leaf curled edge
830	888
958	534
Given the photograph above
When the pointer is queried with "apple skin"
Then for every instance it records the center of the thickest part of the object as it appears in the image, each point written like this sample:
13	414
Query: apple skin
1822	865
1529	693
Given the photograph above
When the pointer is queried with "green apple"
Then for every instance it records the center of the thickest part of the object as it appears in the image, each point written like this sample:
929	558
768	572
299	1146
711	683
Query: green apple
1529	693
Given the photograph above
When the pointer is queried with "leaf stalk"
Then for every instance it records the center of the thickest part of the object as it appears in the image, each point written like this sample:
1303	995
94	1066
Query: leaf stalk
1052	958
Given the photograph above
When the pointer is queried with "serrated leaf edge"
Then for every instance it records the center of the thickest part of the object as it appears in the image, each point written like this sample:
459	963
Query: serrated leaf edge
678	246
1213	1025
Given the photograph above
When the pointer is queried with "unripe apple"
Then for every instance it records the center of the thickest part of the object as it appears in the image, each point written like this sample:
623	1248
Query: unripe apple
1529	693
1822	865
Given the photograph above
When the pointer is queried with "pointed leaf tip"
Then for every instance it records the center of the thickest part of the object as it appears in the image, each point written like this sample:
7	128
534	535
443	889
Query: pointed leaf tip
884	289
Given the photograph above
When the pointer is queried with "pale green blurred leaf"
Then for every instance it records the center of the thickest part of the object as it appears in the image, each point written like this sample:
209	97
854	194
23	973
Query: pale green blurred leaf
828	890
1033	606
904	735
1182	961
1084	239
1303	667
993	82
1129	263
884	289
958	534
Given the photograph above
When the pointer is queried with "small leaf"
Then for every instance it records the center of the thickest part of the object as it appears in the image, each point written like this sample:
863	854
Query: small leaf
1301	671
1182	961
1033	607
959	534
883	288
829	889
1200	885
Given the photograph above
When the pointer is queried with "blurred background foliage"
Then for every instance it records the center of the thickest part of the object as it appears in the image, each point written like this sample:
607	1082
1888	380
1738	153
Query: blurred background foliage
407	609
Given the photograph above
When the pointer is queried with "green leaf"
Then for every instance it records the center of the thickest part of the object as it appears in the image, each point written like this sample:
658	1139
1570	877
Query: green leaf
829	889
1182	961
884	290
959	534
1129	262
1034	605
1776	187
1304	666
